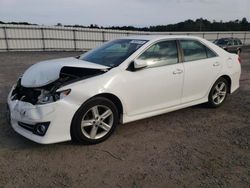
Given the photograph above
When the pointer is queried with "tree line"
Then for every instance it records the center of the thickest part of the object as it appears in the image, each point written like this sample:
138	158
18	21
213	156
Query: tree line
188	25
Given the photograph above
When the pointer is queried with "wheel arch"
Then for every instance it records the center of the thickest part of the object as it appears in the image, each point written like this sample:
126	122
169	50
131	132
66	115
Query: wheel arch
228	79
109	96
114	99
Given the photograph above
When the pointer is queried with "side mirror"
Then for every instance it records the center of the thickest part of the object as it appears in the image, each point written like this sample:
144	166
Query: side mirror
140	64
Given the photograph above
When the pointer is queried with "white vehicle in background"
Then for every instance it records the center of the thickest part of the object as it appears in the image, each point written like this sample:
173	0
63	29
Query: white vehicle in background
124	80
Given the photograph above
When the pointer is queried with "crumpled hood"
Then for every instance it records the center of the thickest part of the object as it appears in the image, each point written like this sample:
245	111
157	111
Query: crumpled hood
46	72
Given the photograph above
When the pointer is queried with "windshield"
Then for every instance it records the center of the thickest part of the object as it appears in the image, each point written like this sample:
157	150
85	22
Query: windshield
113	53
221	42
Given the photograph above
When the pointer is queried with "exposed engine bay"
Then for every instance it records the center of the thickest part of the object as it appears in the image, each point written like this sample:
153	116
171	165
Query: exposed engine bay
48	93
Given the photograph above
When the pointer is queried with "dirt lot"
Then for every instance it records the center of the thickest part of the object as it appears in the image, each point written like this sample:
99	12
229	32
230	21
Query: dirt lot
193	147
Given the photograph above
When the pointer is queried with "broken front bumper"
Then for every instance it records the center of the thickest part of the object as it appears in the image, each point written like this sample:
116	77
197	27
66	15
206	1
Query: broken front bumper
56	118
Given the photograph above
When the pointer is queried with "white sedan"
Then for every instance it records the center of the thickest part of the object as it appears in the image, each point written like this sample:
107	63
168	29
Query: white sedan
84	98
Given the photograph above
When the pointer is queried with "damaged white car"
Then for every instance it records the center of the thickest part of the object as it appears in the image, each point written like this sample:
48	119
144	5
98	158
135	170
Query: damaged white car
124	80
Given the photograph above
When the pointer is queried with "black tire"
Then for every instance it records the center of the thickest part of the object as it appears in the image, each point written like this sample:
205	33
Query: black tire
76	131
211	102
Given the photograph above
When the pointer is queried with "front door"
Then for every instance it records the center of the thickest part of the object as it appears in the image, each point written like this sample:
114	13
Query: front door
157	86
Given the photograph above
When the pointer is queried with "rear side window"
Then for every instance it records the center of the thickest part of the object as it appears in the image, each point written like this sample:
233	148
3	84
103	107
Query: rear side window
210	53
161	53
194	50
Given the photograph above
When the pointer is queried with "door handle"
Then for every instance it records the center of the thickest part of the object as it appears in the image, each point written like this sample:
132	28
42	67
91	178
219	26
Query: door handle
178	71
216	64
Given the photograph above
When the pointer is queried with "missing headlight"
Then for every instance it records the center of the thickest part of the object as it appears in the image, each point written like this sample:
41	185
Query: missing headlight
47	97
44	97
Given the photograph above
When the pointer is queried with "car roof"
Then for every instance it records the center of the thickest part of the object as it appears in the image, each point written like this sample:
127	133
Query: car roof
228	38
160	37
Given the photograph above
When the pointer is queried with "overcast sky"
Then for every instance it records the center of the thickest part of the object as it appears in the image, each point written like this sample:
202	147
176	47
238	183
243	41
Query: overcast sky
121	12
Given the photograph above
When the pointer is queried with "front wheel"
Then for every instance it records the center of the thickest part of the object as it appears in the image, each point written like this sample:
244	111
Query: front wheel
95	121
218	93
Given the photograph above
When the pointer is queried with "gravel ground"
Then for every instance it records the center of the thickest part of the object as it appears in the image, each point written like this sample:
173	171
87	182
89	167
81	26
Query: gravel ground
192	147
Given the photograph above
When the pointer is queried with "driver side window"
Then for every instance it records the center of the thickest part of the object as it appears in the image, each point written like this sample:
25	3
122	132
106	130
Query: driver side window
160	54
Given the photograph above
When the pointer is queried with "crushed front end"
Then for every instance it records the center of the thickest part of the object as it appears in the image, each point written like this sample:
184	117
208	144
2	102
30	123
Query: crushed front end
44	114
38	121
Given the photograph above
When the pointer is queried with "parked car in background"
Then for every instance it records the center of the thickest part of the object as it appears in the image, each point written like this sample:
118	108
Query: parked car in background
84	98
232	45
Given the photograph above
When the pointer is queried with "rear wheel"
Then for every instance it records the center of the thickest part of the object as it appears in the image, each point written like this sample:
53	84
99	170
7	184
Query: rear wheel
218	93
95	121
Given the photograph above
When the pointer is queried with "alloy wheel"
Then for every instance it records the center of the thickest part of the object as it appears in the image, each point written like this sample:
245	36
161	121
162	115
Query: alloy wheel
97	122
219	93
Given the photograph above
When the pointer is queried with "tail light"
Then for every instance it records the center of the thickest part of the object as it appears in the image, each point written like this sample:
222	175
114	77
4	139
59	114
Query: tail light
239	59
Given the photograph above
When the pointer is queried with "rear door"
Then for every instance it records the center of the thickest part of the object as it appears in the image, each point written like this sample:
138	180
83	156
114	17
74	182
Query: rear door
201	67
